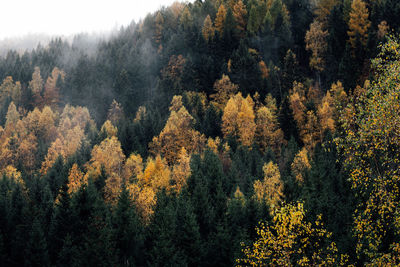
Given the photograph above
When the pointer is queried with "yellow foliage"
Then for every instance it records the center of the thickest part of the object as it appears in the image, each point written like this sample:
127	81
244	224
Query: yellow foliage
208	30
358	23
109	129
157	174
239	13
224	89
326	112
181	171
177	133
133	168
316	43
220	19
300	164
12	173
238	119
270	189
145	200
76	179
268	133
292	241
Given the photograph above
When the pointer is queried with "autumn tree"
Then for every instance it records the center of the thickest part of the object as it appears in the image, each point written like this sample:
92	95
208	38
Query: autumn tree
208	29
290	240
316	43
177	133
358	23
76	179
12	116
323	10
10	89
109	129
300	165
51	95
238	119
220	20
240	15
268	132
383	29
371	148
186	18
181	171
115	112
270	189
326	113
172	74
297	104
224	89
108	154
36	87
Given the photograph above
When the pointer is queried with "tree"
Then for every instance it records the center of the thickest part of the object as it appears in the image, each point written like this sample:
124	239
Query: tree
316	43
371	149
240	15
268	132
270	190
208	29
36	86
224	89
12	116
326	113
128	233
323	10
181	171
51	95
238	119
159	24
36	253
300	165
292	241
177	133
220	20
358	23
9	89
76	179
115	112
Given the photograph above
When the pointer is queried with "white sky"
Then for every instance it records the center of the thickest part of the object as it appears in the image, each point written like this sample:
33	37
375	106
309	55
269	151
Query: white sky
66	17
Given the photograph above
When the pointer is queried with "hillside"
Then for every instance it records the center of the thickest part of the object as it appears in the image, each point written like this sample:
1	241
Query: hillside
213	133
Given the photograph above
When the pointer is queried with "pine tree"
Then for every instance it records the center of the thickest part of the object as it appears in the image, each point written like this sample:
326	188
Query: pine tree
358	23
36	253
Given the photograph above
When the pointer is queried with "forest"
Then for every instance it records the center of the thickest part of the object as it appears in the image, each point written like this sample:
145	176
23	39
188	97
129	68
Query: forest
210	133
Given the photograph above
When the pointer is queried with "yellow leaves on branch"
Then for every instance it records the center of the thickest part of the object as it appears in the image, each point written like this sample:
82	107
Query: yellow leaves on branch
208	29
358	23
76	179
292	241
268	133
316	43
109	129
108	154
300	164
220	19
238	119
240	13
224	89
270	189
371	147
177	133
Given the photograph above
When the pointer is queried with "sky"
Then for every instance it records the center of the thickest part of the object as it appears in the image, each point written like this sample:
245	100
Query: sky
66	17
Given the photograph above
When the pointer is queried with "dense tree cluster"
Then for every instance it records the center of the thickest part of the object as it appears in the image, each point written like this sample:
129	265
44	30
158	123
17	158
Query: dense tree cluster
212	133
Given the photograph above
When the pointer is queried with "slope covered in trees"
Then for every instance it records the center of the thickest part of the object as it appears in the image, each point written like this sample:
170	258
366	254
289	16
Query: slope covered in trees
212	133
